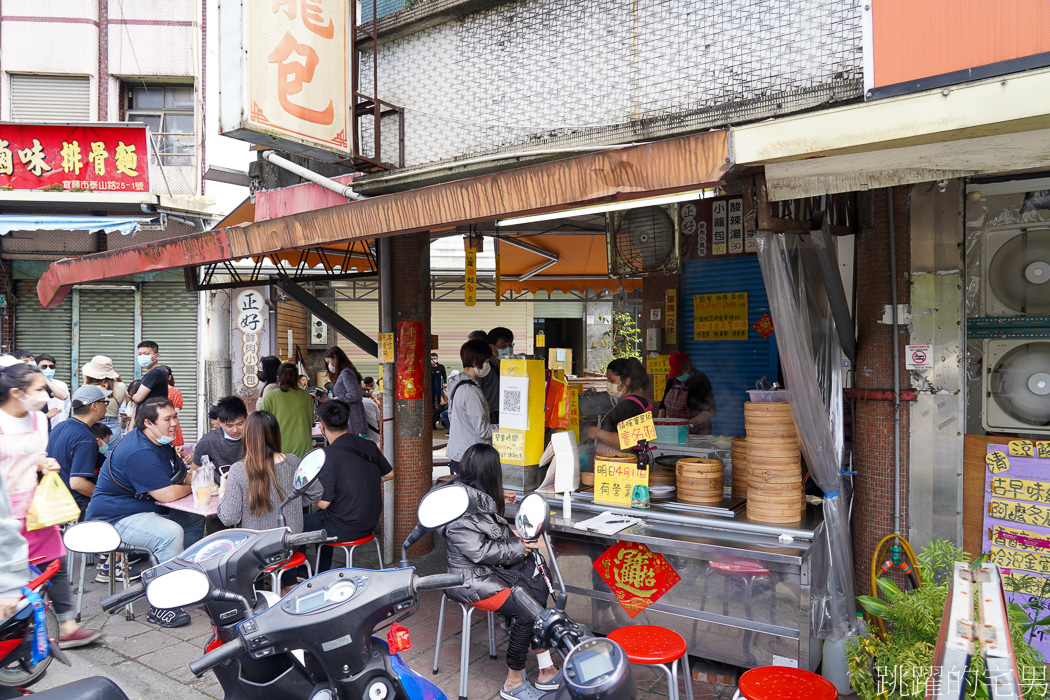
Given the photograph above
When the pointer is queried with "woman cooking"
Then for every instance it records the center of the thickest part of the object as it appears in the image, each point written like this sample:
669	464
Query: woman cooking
626	381
689	395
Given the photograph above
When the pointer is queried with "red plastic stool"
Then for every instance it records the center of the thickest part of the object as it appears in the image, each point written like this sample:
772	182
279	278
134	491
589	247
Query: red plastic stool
784	683
746	571
657	646
348	549
296	560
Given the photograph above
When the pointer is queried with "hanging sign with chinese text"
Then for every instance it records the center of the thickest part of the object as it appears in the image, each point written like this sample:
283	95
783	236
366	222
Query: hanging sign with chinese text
386	348
470	278
284	71
637	576
249	318
671	317
409	349
720	316
713	227
634	430
93	158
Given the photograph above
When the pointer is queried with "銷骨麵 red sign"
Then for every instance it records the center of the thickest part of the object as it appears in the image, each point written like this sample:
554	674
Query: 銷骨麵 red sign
94	158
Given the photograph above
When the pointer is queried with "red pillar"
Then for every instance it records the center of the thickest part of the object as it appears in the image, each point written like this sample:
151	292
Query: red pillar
413	440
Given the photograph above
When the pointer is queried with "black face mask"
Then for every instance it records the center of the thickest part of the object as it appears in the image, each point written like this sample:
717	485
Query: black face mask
261	375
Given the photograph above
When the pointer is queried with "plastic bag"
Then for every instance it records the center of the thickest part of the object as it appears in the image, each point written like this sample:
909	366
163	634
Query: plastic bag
52	504
202	482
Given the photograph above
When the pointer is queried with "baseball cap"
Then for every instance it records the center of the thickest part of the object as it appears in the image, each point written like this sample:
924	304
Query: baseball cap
676	362
89	394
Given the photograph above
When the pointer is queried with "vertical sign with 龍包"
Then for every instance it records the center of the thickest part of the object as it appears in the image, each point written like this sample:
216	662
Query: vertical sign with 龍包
297	70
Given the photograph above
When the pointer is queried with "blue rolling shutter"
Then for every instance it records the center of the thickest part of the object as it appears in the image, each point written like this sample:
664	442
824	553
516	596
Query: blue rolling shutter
733	366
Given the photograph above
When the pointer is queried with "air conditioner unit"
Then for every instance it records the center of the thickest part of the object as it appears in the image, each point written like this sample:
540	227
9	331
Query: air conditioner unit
1015	270
642	241
1016	386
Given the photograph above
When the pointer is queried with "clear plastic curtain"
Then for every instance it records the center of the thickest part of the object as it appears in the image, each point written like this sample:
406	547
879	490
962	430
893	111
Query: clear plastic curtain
811	358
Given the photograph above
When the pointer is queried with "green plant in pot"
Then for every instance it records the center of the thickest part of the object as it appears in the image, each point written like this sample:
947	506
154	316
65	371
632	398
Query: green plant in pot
898	666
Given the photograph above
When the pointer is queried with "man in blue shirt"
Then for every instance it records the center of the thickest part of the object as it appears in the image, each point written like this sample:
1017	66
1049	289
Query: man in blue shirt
73	445
142	473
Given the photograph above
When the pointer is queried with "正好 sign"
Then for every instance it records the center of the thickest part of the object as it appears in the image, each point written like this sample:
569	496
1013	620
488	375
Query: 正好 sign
720	316
637	576
250	314
89	158
284	71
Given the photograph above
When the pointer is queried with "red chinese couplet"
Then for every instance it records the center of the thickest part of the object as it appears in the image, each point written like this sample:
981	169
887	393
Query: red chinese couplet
77	158
410	370
637	576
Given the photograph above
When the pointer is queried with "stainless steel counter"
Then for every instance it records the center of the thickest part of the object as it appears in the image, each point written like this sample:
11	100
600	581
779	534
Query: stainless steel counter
746	620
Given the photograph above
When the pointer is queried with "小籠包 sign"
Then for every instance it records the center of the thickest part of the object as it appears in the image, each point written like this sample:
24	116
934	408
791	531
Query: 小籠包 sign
88	158
720	316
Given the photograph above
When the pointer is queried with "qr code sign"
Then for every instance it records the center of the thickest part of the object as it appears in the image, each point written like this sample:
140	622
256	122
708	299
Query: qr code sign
512	400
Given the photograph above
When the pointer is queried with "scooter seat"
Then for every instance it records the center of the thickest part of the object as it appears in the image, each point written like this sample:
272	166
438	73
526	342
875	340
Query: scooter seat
93	688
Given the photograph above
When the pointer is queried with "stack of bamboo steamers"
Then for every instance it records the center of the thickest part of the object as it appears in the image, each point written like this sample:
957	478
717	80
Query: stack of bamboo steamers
774	464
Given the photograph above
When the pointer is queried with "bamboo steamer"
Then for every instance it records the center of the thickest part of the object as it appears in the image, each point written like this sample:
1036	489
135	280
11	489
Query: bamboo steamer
662	477
587	478
739	466
699	481
774	481
618	457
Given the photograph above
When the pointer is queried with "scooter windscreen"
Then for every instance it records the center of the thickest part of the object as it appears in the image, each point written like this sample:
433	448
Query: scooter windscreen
598	668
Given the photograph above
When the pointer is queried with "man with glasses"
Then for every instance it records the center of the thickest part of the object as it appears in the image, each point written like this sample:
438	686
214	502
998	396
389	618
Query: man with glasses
223	446
57	409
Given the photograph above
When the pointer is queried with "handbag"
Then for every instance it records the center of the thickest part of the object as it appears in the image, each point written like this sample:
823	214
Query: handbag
52	504
526	575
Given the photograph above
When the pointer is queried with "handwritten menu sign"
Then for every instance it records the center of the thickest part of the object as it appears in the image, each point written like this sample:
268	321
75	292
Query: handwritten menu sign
572	410
671	317
470	278
720	316
386	348
1017	526
658	364
634	430
511	446
614	482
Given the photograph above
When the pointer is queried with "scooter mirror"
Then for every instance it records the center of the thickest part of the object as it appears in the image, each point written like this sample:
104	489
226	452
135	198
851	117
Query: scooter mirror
178	588
92	537
308	469
443	505
533	516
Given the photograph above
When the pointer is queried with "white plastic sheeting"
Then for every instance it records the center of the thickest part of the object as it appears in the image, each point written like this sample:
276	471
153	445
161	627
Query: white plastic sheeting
122	224
811	359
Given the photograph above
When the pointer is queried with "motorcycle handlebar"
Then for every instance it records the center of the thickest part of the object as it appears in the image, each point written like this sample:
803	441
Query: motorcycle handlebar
437	582
122	598
294	541
217	656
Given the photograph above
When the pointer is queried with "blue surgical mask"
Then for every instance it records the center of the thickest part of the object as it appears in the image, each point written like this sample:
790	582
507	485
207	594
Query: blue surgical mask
48	372
230	437
145	360
684	376
102	449
162	439
506	353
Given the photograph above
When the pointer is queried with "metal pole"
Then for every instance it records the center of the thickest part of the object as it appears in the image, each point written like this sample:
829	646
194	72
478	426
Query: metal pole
896	370
386	325
316	178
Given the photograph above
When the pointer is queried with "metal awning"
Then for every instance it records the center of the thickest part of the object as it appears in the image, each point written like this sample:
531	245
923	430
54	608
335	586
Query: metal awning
110	224
662	167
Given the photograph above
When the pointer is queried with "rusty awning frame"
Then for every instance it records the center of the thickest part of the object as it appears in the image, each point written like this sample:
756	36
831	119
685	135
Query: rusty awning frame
619	174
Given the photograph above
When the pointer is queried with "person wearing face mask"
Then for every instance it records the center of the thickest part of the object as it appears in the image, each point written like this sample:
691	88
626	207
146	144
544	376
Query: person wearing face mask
468	408
689	395
100	372
142	474
626	380
74	446
438	379
267	376
346	386
57	409
23	441
224	445
501	341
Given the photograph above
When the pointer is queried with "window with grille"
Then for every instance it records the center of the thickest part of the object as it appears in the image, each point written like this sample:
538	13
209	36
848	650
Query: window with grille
168	111
50	98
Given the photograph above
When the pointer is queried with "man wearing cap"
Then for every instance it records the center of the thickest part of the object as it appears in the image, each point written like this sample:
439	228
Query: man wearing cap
73	445
689	395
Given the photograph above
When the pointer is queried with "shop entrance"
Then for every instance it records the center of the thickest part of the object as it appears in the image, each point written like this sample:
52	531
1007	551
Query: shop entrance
563	342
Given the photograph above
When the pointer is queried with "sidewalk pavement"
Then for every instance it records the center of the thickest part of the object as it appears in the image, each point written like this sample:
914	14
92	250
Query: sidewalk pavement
151	662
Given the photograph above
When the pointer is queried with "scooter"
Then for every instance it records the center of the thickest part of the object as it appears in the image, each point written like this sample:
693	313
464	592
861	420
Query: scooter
17	669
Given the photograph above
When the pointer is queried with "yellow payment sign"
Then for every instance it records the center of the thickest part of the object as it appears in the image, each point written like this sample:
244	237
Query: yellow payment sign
511	446
997	462
634	430
614	482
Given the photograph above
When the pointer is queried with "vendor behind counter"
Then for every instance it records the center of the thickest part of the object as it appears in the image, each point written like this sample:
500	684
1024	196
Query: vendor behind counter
627	381
689	395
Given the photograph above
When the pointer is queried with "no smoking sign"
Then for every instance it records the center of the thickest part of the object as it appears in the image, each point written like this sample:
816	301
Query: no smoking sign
919	356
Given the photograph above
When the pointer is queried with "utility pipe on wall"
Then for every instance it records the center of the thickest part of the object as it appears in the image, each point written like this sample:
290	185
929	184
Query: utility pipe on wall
386	325
896	370
316	178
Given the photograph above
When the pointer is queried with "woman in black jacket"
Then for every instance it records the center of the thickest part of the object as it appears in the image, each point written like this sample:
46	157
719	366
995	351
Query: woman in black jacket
479	545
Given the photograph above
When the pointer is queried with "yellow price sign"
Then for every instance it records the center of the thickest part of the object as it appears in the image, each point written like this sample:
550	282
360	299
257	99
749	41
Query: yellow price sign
1020	539
614	482
511	446
634	430
1021	489
720	316
1021	448
1026	513
386	347
997	462
1013	559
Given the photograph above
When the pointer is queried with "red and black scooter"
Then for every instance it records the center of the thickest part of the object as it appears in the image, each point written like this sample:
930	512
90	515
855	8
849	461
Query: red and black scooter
17	669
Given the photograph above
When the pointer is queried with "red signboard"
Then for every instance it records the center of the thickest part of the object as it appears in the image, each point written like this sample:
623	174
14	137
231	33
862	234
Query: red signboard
410	360
637	576
95	158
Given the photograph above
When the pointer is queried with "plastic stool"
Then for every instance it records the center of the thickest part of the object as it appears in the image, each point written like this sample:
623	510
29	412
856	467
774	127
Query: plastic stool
275	571
784	683
657	646
348	549
464	653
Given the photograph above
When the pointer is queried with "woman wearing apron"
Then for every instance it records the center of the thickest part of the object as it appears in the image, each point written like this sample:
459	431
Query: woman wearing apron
23	445
627	381
689	395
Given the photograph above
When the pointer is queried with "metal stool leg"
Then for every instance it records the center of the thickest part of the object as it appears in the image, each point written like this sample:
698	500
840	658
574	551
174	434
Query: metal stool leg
464	653
671	671
688	677
80	586
379	552
349	552
129	610
441	626
112	564
492	634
